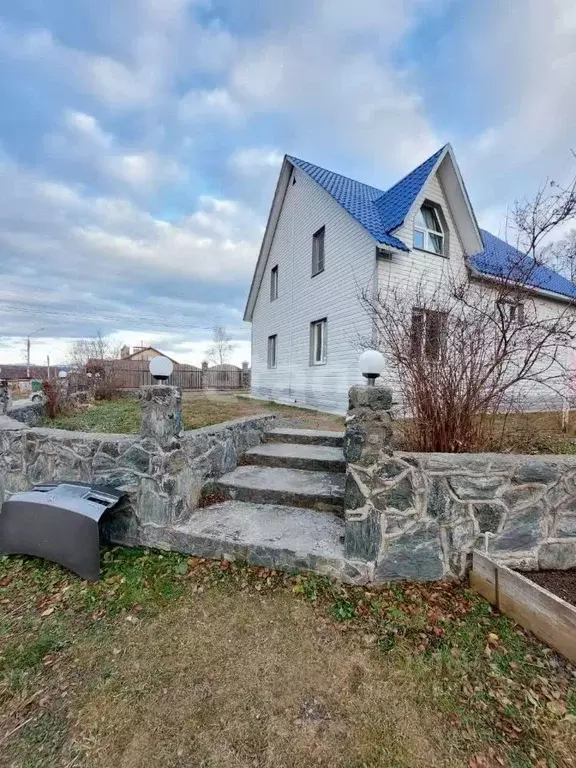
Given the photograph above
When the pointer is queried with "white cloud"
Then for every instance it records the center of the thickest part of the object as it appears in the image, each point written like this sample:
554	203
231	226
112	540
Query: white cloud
330	73
256	161
82	140
529	81
212	104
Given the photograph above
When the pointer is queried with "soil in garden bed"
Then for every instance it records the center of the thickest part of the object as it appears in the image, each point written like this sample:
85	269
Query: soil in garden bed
560	583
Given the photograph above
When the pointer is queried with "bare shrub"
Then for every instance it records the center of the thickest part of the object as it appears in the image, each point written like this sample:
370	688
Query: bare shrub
106	387
53	398
467	349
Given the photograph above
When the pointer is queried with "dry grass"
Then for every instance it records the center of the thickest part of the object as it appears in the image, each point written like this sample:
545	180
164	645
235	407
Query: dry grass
536	433
176	662
123	416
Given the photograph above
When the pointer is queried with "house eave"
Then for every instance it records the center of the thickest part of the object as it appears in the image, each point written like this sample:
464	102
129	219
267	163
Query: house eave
486	278
273	216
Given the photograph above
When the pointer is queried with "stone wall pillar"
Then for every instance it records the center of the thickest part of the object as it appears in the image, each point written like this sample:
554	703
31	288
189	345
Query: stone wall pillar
161	414
5	397
367	446
204	374
245	376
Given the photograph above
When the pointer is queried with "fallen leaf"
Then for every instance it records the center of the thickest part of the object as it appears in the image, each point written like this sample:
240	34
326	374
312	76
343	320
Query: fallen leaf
48	611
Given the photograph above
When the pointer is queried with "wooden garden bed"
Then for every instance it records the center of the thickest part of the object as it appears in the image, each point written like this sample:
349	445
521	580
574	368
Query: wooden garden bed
550	618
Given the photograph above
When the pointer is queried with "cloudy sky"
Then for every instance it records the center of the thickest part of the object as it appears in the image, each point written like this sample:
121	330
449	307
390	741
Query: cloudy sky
140	140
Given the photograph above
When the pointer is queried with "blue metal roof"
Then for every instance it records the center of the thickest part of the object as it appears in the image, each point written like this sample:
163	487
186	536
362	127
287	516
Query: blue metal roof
381	212
500	259
377	210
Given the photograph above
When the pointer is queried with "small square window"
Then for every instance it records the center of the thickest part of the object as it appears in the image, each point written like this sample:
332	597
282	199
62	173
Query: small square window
318	342
272	344
318	251
274	283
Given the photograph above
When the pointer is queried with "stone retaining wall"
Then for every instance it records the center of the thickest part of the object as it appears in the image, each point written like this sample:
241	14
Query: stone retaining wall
162	470
420	515
27	412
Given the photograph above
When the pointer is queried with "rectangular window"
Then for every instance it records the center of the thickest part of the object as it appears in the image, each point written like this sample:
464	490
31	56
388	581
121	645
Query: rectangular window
318	342
428	332
274	283
428	230
272	343
511	312
318	251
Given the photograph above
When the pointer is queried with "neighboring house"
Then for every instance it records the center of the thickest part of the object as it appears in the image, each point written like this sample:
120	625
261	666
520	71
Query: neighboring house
142	353
329	237
131	371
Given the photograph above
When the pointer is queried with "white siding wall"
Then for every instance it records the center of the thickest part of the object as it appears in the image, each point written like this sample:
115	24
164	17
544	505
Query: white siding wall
408	271
350	265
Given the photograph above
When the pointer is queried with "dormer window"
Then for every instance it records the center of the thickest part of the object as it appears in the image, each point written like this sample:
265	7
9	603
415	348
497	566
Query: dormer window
428	231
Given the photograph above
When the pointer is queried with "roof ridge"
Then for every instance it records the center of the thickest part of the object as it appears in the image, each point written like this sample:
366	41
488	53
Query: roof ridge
414	170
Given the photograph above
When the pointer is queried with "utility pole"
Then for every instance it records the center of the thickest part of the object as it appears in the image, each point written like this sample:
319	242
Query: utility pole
28	350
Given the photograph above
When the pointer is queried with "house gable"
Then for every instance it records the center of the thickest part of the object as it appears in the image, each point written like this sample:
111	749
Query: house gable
445	170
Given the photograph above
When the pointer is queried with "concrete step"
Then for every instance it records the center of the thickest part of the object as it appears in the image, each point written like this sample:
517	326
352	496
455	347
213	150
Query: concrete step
272	536
297	456
305	436
323	491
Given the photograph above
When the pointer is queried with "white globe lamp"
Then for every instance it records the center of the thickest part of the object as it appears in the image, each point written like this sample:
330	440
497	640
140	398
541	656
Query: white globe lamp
371	365
161	368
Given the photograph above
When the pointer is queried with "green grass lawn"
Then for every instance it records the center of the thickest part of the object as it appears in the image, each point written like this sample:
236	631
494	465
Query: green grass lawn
123	415
175	661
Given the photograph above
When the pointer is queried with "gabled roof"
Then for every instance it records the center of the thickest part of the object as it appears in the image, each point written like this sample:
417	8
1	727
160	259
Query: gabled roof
500	259
382	212
378	211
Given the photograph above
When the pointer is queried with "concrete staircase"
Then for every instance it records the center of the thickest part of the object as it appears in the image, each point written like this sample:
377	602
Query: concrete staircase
284	508
300	468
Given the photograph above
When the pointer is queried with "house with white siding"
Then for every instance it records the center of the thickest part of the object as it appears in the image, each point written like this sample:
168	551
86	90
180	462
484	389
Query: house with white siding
327	239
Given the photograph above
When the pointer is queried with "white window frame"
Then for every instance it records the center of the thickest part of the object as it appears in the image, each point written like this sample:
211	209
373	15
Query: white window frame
318	251
273	351
428	233
274	283
318	338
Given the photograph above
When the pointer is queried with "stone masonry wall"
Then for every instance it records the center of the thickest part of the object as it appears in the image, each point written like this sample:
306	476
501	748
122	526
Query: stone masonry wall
419	516
162	470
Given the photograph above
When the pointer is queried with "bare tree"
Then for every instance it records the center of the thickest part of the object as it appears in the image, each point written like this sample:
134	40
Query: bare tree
222	346
97	348
465	350
561	255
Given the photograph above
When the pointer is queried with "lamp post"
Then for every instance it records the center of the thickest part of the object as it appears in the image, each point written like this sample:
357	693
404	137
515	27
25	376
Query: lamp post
371	364
161	368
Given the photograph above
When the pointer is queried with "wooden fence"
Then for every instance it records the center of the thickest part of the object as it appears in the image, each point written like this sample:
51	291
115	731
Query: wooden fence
132	374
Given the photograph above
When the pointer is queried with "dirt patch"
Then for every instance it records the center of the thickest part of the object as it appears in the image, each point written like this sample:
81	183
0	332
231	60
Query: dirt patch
222	683
560	583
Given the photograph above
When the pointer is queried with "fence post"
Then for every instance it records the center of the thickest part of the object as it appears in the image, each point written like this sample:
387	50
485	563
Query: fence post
245	377
204	374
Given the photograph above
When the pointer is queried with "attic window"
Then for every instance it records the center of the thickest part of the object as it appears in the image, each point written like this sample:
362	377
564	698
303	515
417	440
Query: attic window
428	231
